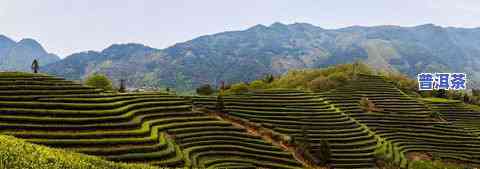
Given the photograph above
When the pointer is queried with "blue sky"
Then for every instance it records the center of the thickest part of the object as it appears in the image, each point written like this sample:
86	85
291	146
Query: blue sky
66	26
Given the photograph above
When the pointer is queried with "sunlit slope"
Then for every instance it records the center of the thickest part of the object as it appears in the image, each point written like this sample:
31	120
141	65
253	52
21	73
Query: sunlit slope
456	112
16	86
290	111
405	122
154	128
18	154
355	134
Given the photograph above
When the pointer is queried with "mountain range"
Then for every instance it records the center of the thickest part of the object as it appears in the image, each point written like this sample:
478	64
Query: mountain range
252	53
18	56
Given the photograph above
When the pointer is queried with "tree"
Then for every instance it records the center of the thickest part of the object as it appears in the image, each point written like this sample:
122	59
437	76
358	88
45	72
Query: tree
354	69
436	115
99	81
322	83
205	89
305	139
324	153
219	107
368	106
35	66
122	88
476	92
239	88
305	148
441	93
268	78
258	84
466	98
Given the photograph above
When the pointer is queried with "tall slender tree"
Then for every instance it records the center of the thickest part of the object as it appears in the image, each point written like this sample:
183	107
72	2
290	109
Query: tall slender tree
122	88
35	66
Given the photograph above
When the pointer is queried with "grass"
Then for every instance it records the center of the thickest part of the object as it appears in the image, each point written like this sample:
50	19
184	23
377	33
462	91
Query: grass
131	128
120	127
438	100
18	154
427	164
472	106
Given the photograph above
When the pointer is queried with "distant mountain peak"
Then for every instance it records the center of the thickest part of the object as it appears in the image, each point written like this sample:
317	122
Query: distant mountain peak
17	56
5	39
304	24
245	55
29	41
125	45
278	24
258	27
428	25
126	48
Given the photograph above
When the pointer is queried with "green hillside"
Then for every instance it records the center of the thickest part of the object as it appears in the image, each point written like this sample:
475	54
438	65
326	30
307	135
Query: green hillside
269	128
399	127
246	55
18	154
456	112
405	122
154	128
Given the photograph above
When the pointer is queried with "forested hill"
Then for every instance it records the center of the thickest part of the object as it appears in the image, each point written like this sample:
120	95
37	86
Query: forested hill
18	56
249	54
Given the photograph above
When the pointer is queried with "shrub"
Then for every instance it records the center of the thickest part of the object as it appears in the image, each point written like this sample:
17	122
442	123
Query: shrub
401	81
321	79
476	92
321	83
339	77
205	90
99	81
427	164
439	93
437	115
19	154
324	153
456	95
122	88
258	84
239	88
368	105
268	78
219	107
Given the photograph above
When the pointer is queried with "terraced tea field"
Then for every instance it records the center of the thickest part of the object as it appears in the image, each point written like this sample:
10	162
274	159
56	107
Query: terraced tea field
167	130
401	126
154	128
456	112
290	112
405	122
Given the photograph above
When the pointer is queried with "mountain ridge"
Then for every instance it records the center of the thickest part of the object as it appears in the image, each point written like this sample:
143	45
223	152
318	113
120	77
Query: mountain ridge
245	55
15	56
261	50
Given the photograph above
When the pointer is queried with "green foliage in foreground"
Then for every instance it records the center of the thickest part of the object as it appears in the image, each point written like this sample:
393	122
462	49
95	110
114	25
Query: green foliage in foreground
18	154
427	164
99	81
